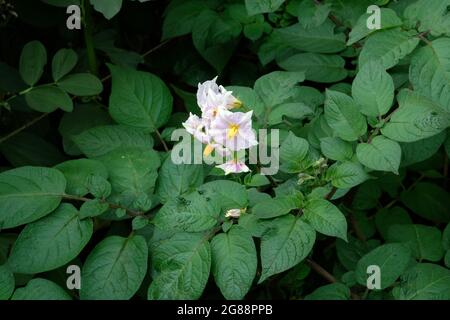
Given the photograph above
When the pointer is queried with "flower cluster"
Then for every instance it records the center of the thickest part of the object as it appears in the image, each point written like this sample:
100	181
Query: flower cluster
220	129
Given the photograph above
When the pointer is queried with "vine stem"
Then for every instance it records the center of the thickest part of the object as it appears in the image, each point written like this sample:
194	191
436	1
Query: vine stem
88	39
130	212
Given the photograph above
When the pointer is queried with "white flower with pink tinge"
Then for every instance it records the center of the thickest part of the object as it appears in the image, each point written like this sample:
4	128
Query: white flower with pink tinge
233	166
233	130
197	127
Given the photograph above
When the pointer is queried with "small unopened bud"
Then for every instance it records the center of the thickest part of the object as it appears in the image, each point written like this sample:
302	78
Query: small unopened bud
234	213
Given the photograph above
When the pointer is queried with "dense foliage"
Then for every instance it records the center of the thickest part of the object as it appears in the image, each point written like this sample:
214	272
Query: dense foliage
87	177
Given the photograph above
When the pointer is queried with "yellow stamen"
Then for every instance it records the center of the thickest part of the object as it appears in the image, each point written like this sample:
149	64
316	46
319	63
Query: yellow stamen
209	148
232	130
236	104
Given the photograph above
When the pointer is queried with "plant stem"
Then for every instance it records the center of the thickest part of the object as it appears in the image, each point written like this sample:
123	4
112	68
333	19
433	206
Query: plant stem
166	148
26	125
88	28
130	212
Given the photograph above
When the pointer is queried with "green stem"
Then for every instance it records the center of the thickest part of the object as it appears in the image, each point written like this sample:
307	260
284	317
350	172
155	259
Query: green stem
90	49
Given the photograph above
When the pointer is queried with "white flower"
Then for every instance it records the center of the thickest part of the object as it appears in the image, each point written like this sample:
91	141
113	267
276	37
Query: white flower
212	99
197	127
234	213
233	130
233	166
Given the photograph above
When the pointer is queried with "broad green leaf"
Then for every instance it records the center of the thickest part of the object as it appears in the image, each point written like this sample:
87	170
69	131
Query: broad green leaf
32	61
389	46
262	6
291	110
288	241
417	118
182	264
349	253
249	98
192	213
347	175
429	72
63	62
274	207
29	193
343	116
177	179
321	39
380	154
50	242
139	99
392	259
424	241
215	37
81	84
180	17
83	117
277	86
40	289
234	262
389	19
317	67
7	282
326	218
109	8
229	194
78	173
310	14
386	218
429	16
98	141
336	149
114	269
429	201
425	281
373	89
293	152
420	150
334	291
93	208
48	99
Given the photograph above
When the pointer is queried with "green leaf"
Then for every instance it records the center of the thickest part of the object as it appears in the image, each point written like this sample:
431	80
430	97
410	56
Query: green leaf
317	67
63	62
249	98
77	174
425	281
429	16
373	89
234	262
293	152
274	207
262	6
417	118
276	87
48	99
446	238
336	149
50	242
380	154
215	37
98	141
428	201
386	218
180	18
347	175
424	241
109	8
6	282
343	116
349	253
333	291
389	19
177	179
182	265
114	270
29	193
93	208
326	218
429	72
32	61
418	151
139	99
321	39
288	241
192	213
40	289
389	46
392	259
229	194
311	15
81	84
